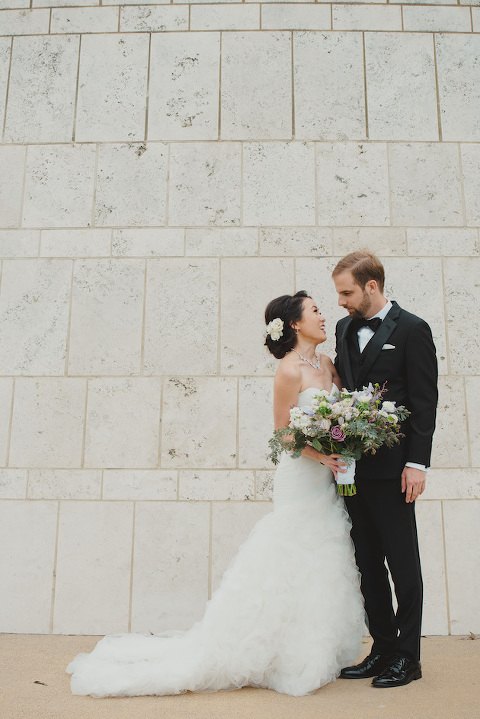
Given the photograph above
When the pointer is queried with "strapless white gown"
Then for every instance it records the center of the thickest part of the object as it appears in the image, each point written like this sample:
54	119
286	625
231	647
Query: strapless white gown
288	613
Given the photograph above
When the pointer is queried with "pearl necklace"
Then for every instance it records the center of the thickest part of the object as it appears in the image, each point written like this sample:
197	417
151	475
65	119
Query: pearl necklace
315	366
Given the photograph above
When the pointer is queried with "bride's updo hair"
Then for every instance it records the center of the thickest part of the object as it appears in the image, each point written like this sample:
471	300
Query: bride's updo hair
289	308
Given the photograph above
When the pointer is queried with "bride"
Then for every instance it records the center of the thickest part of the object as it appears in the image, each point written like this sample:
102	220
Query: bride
288	613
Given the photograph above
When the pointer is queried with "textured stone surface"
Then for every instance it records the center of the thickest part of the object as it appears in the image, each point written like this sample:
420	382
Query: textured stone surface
147	242
400	68
170	563
13	483
352	184
458	69
329	84
47	422
82	20
154	19
278	183
24	22
5	51
224	17
442	241
465	486
451	422
34	316
430	537
204	184
200	435
256	104
19	243
59	186
373	17
155	484
462	292
64	484
131	184
462	550
300	17
122	423
255	417
222	242
217	485
93	567
28	529
6	390
425	184
384	241
11	185
296	241
111	103
181	320
472	387
470	155
184	87
247	287
437	19
75	243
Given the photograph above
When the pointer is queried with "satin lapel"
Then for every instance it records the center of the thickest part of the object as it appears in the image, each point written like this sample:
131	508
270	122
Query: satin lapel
348	374
373	348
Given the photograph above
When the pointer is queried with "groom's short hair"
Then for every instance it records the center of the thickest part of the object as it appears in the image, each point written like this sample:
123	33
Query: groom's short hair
364	266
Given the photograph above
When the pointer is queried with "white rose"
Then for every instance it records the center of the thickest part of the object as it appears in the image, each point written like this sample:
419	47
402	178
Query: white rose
324	424
393	418
388	407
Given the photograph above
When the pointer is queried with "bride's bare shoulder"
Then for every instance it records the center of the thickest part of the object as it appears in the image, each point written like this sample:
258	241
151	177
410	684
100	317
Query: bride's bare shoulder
289	370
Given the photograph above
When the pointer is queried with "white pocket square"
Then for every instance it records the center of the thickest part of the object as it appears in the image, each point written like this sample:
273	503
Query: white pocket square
388	347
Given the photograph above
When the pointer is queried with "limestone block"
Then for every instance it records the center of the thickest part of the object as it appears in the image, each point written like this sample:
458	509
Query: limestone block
462	542
264	485
192	2
460	484
279	183
11	185
153	19
400	69
231	525
122	423
462	293
24	22
416	284
329	83
106	317
472	387
255	420
181	319
47	66
431	2
315	276
138	484
5	47
184	86
470	155
458	69
228	17
47	422
451	423
442	241
425	184
75	243
66	3
300	17
138	2
222	242
10	4
64	484
85	19
13	483
111	103
279	241
199	422
205	184
34	316
373	17
216	485
59	186
28	530
384	241
430	538
6	389
170	565
256	104
247	287
437	19
475	18
148	243
352	184
19	243
131	184
92	590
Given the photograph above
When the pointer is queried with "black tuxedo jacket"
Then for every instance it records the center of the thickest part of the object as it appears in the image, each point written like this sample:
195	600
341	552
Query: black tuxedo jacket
409	367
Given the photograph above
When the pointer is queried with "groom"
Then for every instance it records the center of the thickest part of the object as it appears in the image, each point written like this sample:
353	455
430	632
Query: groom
381	342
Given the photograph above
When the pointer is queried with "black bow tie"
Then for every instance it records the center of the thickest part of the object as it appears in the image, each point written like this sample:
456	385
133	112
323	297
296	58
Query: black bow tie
360	322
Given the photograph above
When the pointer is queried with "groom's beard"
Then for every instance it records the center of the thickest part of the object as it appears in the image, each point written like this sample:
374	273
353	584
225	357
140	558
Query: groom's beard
364	307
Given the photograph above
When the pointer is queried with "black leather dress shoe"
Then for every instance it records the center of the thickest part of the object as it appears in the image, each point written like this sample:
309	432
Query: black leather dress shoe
371	666
401	671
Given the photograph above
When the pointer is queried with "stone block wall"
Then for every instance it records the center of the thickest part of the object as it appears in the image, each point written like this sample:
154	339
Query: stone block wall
166	170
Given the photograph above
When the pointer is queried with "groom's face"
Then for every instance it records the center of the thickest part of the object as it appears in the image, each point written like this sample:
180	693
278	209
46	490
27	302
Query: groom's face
353	298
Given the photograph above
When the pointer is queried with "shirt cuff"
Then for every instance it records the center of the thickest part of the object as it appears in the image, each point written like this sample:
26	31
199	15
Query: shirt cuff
417	466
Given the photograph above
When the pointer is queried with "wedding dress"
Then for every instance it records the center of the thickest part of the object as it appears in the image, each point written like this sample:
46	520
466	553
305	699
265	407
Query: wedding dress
288	613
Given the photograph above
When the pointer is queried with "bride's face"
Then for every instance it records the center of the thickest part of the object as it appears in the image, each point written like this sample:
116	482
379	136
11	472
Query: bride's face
312	324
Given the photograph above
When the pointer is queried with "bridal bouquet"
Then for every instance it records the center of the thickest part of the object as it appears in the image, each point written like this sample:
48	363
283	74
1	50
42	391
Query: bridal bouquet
348	424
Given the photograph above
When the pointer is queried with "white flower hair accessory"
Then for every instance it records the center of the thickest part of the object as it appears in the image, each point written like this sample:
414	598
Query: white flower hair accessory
275	329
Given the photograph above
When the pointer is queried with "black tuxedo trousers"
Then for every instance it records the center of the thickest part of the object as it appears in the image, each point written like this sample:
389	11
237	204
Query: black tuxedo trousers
402	354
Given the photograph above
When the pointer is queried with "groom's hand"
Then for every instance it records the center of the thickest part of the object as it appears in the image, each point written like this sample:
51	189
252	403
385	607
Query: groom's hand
413	483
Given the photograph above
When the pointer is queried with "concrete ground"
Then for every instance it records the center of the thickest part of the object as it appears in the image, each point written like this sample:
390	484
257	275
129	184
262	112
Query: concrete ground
33	685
